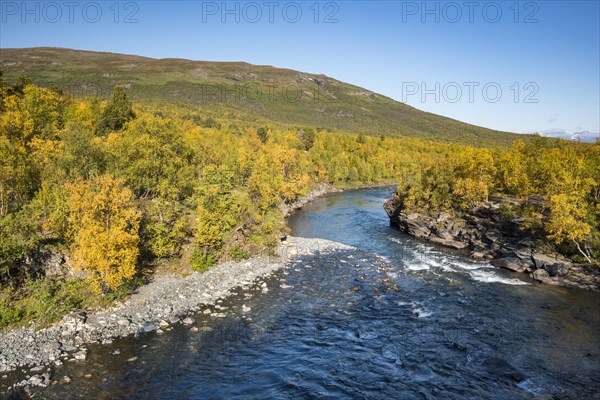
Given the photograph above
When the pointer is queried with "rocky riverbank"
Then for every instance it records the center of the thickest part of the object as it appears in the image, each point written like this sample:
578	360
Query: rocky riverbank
318	191
486	235
155	307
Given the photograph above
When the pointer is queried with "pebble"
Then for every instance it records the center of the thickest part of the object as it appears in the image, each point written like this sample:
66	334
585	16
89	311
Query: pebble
166	299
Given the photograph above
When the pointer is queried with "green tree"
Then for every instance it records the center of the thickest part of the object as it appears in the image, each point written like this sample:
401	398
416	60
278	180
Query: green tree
263	134
307	137
117	112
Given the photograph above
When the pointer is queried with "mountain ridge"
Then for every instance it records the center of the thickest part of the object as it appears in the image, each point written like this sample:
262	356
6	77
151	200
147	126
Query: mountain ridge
279	94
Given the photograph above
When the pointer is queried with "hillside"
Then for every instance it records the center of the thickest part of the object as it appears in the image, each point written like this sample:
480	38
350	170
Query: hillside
280	95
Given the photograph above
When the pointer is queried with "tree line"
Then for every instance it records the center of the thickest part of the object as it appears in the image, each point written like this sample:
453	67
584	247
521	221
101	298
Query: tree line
556	185
115	186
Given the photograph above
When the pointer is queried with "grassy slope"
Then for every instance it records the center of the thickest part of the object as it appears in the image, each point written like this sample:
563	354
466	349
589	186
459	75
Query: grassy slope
281	95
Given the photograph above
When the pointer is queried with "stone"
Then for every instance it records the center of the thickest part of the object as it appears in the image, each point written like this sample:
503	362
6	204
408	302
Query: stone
523	253
80	355
65	379
511	263
417	230
455	244
540	275
188	321
36	380
444	216
123	322
149	326
492	237
556	269
540	260
194	329
163	324
442	234
51	347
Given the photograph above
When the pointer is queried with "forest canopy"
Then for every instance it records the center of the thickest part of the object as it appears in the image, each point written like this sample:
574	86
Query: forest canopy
115	186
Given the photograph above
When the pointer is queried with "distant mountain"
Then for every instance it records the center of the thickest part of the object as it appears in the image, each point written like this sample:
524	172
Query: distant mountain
281	95
583	136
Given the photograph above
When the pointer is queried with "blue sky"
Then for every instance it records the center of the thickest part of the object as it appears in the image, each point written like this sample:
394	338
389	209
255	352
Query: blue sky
516	66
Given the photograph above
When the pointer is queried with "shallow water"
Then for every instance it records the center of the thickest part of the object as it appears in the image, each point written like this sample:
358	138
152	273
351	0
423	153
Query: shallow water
409	320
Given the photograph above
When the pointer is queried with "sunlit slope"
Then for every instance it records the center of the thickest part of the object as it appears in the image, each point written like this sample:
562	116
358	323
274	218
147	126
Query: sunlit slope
280	95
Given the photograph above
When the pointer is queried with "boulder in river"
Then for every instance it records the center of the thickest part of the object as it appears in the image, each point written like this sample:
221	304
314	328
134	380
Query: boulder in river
557	269
540	275
512	263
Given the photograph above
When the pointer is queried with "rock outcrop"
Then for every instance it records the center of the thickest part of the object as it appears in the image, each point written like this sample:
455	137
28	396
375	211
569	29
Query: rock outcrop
485	235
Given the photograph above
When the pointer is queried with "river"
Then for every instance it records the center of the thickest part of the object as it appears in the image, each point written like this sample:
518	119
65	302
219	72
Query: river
416	322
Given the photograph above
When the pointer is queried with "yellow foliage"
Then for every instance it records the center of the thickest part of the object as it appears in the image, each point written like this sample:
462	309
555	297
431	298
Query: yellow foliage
105	225
470	191
567	219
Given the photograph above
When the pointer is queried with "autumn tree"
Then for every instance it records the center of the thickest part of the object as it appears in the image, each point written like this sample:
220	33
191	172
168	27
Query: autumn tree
567	222
105	222
36	112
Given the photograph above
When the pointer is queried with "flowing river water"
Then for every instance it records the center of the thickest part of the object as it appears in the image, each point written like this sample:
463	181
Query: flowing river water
407	320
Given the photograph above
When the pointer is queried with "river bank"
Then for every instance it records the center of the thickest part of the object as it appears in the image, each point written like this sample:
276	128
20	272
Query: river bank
485	234
390	307
165	301
155	307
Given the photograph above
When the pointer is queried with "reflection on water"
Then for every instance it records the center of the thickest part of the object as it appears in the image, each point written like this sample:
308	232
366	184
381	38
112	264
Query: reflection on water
408	320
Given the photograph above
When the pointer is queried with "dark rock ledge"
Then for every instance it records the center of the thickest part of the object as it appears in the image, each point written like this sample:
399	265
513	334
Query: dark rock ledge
483	233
